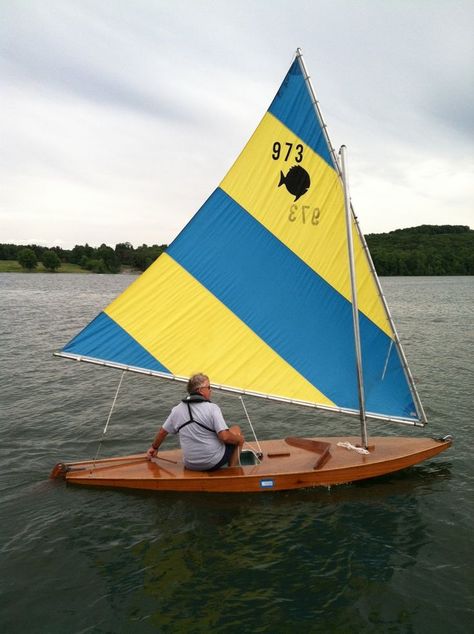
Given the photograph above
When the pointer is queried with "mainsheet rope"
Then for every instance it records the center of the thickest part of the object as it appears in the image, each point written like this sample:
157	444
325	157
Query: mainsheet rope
113	406
251	426
108	419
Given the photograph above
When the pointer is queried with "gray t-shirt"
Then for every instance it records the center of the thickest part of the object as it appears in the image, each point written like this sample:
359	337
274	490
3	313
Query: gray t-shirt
202	449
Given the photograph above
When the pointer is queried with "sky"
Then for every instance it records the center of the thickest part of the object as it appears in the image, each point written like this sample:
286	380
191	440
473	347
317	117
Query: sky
120	117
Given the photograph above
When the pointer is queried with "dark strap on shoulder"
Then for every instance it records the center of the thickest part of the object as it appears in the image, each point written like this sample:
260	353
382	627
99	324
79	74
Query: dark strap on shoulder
195	398
191	419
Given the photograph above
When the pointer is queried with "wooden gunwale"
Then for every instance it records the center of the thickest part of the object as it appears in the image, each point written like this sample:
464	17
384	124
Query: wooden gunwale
294	469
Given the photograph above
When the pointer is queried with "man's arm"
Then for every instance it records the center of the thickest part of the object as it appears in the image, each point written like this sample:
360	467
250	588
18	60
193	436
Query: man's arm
231	436
153	450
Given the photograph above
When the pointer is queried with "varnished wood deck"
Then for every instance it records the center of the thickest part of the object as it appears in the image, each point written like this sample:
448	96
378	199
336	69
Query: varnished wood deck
284	466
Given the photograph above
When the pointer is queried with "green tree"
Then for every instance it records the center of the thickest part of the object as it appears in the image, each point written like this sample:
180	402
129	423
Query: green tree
80	252
96	266
109	258
423	250
8	252
124	252
27	259
144	256
51	260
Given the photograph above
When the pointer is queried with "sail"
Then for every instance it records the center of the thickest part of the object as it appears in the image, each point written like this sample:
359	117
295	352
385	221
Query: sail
255	291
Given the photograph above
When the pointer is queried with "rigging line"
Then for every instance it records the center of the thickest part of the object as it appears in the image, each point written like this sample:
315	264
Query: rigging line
386	360
409	377
108	419
251	426
113	404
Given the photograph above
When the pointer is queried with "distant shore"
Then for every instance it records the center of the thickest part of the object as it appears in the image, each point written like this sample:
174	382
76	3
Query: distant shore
12	266
426	250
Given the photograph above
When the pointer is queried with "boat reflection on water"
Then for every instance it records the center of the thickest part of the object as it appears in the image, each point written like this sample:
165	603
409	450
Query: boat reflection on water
210	552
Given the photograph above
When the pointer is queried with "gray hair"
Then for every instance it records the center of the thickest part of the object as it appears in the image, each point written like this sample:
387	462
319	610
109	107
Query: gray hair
196	381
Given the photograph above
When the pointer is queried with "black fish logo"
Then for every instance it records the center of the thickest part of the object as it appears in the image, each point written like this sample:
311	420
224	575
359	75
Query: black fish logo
297	181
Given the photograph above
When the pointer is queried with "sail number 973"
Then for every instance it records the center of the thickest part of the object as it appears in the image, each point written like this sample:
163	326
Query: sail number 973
287	151
305	214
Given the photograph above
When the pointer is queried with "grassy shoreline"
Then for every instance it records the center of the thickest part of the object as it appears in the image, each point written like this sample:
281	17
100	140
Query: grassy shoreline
12	266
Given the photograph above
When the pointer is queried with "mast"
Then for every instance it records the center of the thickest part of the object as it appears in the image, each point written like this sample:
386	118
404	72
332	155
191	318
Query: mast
355	308
416	399
348	210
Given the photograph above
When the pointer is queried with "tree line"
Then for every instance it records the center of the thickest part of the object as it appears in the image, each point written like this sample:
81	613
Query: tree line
103	259
422	250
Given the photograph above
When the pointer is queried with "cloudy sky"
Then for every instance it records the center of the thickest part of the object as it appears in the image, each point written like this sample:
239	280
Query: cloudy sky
120	117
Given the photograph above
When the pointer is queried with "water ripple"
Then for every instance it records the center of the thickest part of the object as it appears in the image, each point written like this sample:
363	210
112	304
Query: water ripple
393	554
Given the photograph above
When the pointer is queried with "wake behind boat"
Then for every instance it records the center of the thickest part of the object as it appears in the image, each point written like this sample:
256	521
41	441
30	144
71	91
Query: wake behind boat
276	267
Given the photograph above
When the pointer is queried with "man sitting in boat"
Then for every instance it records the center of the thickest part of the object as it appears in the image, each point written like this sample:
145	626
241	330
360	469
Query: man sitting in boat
206	440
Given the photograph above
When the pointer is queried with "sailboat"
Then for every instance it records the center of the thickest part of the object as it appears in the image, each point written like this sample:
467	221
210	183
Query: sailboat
270	290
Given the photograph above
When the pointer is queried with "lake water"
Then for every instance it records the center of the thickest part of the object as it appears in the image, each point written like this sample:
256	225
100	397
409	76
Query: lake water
388	555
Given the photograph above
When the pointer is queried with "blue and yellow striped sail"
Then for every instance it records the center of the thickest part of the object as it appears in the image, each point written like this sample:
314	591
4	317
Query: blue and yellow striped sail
255	291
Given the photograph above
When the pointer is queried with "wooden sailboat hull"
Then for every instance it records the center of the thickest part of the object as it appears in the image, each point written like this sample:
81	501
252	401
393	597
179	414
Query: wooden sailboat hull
286	464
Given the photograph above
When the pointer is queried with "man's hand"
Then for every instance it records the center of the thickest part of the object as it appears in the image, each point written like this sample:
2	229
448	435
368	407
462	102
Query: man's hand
232	436
151	453
161	435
